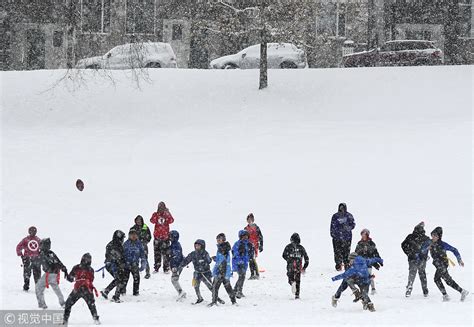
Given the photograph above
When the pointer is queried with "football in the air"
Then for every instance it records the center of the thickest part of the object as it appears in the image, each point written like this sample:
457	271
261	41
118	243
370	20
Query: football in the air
80	185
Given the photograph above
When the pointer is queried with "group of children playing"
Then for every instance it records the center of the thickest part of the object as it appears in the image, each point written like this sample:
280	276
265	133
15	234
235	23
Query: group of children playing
123	259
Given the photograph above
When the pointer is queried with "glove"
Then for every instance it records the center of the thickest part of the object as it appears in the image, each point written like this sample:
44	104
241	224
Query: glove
303	271
333	279
64	270
260	249
69	278
143	264
376	265
461	263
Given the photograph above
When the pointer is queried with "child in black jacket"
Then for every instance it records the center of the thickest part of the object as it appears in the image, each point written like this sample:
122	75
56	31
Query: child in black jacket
366	248
294	254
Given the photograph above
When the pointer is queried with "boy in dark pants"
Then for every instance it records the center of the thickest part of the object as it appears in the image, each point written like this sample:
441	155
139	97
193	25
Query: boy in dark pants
222	270
366	248
438	249
115	265
358	274
176	257
294	254
144	235
412	246
28	249
256	238
135	260
202	271
242	253
162	219
83	274
342	224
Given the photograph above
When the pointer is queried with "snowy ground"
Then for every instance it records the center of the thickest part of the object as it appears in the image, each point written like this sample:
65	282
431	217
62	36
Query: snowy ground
394	143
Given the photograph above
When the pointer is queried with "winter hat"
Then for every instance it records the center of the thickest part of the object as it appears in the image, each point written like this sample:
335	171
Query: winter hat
221	236
86	260
174	235
438	231
45	244
250	215
295	238
365	231
342	207
132	231
118	236
353	255
32	230
420	228
139	218
243	233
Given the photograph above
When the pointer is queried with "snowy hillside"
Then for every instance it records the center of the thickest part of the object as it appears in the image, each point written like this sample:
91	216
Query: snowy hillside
394	144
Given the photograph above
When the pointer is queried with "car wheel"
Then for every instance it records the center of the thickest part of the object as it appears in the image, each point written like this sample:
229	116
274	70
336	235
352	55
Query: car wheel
230	66
153	65
288	65
95	66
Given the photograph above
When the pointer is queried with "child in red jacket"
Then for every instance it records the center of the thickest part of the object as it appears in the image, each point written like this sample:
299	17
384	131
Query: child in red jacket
162	219
28	249
256	238
83	274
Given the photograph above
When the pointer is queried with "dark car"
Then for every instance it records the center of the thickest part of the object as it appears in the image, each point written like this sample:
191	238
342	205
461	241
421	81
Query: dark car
397	53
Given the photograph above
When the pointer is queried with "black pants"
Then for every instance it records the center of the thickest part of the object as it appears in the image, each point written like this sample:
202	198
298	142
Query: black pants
118	282
75	295
344	285
253	267
206	278
342	250
161	249
417	267
442	273
31	265
216	284
294	275
239	285
364	289
135	272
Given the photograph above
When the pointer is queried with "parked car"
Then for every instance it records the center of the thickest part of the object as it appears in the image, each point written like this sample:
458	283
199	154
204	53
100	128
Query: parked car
279	55
397	53
133	55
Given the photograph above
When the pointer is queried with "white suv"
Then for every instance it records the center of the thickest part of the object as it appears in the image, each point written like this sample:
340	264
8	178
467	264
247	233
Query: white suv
279	55
133	55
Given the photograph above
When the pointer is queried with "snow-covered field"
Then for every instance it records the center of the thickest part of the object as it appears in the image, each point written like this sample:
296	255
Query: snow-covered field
394	143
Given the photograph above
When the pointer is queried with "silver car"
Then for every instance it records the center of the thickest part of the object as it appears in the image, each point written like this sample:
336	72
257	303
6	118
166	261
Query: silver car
133	55
280	55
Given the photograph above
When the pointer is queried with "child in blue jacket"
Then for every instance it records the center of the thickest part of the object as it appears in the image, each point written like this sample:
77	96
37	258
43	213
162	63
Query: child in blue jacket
222	271
176	257
358	274
242	253
135	260
438	249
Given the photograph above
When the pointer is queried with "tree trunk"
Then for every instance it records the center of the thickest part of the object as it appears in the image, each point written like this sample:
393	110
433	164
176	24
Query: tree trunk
263	64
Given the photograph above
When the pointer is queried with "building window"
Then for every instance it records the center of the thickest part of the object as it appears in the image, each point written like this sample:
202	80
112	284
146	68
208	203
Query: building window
95	16
57	38
177	32
141	16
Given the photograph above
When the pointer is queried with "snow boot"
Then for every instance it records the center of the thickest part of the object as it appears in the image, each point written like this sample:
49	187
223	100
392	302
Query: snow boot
334	301
116	299
464	293
357	295
373	292
136	293
446	298
408	292
96	320
297	297
221	301
104	295
147	276
293	287
64	323
371	307
44	307
199	300
212	304
181	296
239	295
425	293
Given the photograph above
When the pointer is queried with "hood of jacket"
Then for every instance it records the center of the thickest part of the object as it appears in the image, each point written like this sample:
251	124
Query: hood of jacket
202	243
295	238
118	236
342	207
86	260
45	244
174	236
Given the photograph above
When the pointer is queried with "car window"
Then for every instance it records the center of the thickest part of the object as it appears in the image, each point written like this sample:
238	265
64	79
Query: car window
120	50
252	50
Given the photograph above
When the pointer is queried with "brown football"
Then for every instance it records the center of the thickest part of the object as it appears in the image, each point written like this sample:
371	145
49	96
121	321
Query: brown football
80	185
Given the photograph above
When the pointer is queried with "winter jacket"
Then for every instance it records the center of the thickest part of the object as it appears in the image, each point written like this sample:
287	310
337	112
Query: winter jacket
367	249
242	252
200	259
255	236
413	244
144	234
222	267
342	224
114	251
359	270
176	252
83	274
438	252
162	223
49	260
294	254
29	247
133	252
